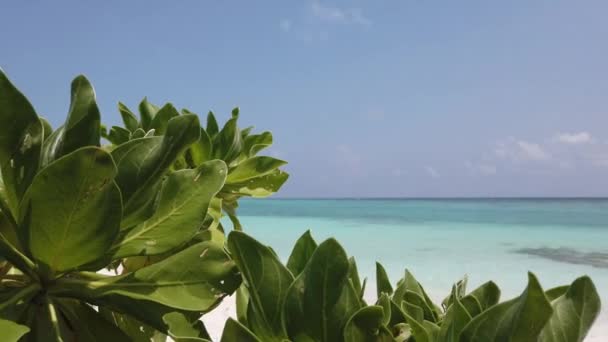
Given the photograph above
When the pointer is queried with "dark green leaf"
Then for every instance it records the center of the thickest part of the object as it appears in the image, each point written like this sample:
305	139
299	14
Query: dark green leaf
212	127
128	118
147	111
256	142
367	325
142	162
195	279
236	332
456	318
200	151
383	284
520	319
573	313
267	281
161	119
482	298
315	292
227	144
88	324
72	205
21	135
301	253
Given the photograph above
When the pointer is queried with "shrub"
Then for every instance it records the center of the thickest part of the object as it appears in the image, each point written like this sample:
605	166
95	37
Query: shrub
69	208
318	296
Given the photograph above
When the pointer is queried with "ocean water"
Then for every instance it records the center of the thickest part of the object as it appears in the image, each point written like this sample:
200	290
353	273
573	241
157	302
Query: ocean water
440	241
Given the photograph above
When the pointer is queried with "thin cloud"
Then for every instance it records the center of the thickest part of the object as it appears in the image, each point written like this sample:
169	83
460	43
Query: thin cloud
432	172
285	25
521	150
339	15
481	168
574	138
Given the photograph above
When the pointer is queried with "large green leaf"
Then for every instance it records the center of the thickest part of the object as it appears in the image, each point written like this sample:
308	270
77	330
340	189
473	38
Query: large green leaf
182	206
267	281
11	331
82	126
383	284
183	329
301	253
252	168
142	162
313	295
88	324
367	325
236	332
195	279
573	313
21	135
71	213
520	319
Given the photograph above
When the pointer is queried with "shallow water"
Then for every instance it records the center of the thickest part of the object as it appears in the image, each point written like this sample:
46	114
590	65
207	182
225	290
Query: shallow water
442	240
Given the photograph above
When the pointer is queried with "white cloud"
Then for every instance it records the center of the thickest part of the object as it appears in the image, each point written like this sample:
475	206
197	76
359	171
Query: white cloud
339	15
481	168
521	150
285	25
574	138
432	172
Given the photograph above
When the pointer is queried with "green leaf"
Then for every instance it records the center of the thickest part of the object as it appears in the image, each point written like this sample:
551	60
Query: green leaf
15	300
227	144
482	298
134	329
194	279
118	135
301	253
367	324
461	288
88	324
138	133
520	319
182	204
314	294
147	111
128	118
256	142
385	302
267	281
410	284
236	332
183	329
259	187
200	151
82	126
573	313
72	205
252	168
353	275
21	135
456	318
11	331
383	284
212	127
161	119
556	292
142	162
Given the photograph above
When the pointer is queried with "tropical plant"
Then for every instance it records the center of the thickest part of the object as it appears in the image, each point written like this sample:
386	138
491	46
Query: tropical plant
248	174
318	296
69	208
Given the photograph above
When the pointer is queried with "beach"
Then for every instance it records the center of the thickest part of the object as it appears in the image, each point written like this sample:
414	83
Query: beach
440	241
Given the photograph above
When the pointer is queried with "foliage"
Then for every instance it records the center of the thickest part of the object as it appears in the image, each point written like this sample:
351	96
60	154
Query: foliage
69	207
318	296
248	174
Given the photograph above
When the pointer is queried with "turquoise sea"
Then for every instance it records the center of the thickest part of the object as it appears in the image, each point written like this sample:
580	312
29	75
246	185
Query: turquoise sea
441	240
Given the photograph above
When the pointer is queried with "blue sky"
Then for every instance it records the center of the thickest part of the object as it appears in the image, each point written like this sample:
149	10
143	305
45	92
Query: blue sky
365	98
